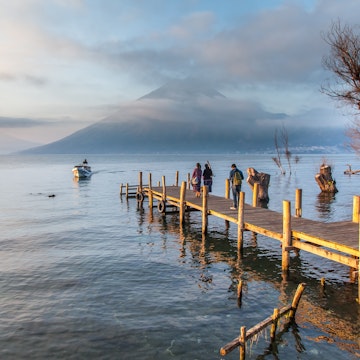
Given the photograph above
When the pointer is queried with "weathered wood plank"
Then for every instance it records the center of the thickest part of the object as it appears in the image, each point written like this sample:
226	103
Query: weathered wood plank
342	236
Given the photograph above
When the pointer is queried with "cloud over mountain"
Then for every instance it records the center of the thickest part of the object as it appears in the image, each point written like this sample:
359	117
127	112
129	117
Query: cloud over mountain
181	117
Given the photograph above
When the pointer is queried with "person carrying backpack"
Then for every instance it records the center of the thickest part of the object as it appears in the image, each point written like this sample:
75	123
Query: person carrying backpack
236	177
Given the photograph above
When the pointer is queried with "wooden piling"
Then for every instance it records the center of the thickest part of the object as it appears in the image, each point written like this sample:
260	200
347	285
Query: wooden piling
255	195
242	340
177	178
163	188
182	202
188	181
241	221
227	189
140	181
356	209
150	194
298	203
127	190
246	335
274	324
286	240
204	209
296	300
121	189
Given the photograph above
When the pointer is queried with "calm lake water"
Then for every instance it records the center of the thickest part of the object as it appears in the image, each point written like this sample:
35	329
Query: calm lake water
87	275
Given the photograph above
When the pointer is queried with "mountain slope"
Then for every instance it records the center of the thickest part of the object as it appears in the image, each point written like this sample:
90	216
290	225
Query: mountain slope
185	118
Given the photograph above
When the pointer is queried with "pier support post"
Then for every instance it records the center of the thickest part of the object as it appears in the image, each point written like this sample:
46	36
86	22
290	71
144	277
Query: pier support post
121	189
358	299
255	195
241	221
204	210
227	189
150	195
127	191
163	188
298	203
177	178
140	181
182	202
188	181
356	208
286	241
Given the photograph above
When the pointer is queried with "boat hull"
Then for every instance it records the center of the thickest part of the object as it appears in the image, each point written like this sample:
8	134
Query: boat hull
81	172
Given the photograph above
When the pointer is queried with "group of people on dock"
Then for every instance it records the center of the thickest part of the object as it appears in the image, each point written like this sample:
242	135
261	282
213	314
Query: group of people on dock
235	177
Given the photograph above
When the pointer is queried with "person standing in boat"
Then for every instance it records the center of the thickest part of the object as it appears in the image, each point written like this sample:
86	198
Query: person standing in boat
196	179
207	176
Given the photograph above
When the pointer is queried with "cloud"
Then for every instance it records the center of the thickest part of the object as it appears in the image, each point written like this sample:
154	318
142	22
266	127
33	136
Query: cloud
7	122
62	58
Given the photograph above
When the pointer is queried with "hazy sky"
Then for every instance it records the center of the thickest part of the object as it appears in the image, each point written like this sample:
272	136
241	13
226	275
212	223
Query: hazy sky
67	63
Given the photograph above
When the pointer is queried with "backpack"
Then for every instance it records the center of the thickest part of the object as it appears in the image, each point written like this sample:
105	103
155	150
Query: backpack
237	180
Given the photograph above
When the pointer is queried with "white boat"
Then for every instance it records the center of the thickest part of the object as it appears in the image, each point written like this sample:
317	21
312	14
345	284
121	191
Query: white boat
82	171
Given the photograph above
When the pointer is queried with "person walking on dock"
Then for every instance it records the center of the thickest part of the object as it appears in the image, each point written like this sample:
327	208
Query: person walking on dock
236	176
196	179
207	176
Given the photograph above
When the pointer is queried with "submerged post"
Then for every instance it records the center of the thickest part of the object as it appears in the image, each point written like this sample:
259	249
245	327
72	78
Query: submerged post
242	339
296	300
286	241
275	316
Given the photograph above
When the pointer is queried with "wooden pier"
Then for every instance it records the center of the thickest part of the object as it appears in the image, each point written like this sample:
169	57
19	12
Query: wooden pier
337	241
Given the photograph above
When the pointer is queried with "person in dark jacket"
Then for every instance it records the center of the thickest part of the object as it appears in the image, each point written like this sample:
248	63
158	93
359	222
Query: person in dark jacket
236	176
207	176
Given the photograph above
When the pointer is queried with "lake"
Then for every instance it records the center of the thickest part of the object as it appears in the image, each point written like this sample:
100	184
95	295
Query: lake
85	274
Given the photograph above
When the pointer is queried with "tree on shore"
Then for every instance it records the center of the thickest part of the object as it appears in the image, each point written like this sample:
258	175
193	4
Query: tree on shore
344	62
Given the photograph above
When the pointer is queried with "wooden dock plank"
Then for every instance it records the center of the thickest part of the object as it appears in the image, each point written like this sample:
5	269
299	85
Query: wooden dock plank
341	236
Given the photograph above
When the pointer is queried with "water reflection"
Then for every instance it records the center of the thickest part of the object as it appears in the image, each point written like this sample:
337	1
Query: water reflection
261	264
324	205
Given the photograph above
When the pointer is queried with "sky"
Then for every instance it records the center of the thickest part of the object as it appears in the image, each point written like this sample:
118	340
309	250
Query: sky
66	64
